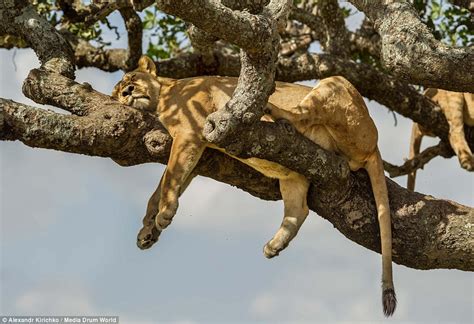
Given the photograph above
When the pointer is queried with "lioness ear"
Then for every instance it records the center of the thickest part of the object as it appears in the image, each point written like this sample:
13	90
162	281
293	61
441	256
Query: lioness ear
146	64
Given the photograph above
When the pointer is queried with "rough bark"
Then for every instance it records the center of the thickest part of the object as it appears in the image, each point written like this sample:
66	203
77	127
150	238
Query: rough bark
336	35
411	52
20	19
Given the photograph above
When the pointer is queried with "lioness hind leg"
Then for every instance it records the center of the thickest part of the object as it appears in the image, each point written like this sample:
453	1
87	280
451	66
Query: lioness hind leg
149	234
374	167
294	191
454	114
185	153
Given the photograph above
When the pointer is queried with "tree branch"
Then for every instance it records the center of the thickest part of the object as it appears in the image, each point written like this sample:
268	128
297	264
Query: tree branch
20	19
257	72
242	28
411	52
336	34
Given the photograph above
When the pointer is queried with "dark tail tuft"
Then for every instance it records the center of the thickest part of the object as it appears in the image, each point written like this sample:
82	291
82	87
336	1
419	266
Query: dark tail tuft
389	301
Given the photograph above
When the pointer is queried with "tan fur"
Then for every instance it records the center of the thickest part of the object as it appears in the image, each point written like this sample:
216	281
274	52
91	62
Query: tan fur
332	114
458	108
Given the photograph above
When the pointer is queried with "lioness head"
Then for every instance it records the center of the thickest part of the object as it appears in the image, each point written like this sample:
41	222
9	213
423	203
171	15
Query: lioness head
139	88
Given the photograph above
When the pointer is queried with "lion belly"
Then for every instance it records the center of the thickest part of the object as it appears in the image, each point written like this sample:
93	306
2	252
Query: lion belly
267	168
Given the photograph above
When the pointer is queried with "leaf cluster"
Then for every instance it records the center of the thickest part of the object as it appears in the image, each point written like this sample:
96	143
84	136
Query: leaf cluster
166	34
449	23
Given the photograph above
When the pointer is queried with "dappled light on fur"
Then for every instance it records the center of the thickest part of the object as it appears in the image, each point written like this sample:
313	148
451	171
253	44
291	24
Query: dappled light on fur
332	115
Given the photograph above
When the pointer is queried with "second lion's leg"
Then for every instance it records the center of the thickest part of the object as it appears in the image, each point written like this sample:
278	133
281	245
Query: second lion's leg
294	191
415	144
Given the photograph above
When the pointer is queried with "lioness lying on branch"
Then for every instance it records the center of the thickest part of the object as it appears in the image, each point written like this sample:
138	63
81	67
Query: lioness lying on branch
333	115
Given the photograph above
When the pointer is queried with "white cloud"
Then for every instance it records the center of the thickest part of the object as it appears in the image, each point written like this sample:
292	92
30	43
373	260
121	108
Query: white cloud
58	297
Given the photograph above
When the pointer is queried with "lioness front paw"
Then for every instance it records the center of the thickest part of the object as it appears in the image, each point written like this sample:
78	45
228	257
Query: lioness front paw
274	247
147	236
269	251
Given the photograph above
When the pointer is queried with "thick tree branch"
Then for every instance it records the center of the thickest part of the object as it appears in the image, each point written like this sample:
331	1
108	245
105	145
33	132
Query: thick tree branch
411	52
20	19
428	233
242	28
336	34
256	79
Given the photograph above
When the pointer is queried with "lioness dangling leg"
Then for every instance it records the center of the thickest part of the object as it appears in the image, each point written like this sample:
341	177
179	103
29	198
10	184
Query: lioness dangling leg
185	153
294	191
374	167
149	234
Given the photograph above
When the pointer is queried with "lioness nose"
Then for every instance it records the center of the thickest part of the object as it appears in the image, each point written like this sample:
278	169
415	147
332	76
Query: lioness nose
128	91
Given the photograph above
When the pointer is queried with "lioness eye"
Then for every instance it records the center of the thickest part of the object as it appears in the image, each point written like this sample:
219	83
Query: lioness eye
128	90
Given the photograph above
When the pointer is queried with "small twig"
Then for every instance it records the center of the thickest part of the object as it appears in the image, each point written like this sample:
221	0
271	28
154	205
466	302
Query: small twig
419	161
102	12
13	59
113	28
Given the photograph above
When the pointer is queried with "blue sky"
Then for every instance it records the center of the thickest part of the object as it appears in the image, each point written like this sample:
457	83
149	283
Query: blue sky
69	223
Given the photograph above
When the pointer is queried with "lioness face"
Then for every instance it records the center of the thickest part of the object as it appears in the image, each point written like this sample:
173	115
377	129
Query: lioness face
138	89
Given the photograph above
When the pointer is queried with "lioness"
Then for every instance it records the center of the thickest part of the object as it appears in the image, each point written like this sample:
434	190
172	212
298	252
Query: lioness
333	115
458	108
